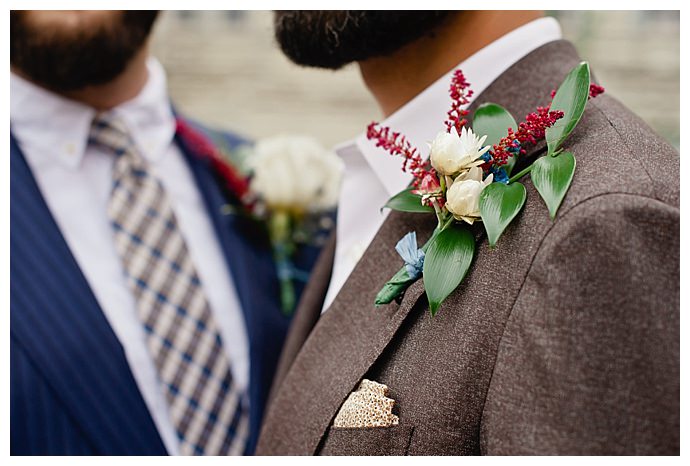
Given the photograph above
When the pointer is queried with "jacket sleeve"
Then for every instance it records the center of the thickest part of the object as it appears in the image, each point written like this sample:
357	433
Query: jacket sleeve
589	359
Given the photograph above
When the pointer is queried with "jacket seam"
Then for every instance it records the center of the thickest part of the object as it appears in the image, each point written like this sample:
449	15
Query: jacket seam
409	442
627	146
527	273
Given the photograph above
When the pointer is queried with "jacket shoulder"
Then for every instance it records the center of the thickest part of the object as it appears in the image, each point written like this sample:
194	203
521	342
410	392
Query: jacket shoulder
617	152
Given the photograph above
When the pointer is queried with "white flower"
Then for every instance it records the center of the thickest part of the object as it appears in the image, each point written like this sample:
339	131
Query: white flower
462	198
295	173
452	153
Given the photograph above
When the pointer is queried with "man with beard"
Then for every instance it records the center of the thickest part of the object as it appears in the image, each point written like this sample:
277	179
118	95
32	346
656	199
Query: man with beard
564	339
144	320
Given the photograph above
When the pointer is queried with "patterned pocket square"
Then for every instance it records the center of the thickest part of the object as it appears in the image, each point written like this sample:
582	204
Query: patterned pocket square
367	406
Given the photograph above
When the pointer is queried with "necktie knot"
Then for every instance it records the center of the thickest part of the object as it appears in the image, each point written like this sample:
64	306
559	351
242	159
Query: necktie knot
110	132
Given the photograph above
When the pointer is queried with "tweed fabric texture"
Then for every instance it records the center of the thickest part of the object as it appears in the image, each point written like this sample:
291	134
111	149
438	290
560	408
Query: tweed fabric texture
564	339
206	409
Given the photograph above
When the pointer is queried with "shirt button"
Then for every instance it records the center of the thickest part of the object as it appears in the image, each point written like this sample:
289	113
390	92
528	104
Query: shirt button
71	148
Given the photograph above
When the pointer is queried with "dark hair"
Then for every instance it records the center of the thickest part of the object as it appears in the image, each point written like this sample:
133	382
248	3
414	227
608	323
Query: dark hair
331	39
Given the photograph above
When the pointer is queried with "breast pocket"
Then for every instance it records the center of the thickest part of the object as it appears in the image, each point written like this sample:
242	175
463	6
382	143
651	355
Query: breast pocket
431	441
389	441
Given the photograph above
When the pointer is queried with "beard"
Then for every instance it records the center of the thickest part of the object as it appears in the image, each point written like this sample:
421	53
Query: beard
332	39
89	52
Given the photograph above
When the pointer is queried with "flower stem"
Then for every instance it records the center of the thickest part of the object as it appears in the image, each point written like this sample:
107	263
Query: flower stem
283	248
442	225
438	210
520	174
529	169
447	223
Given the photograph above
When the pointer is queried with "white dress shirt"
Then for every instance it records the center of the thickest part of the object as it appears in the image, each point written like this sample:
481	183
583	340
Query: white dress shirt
75	180
372	176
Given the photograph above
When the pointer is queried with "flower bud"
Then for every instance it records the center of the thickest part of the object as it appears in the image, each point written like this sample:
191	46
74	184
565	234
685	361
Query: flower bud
462	198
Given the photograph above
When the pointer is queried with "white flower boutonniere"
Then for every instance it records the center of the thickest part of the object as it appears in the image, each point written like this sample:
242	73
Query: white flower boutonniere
294	174
468	179
295	182
288	184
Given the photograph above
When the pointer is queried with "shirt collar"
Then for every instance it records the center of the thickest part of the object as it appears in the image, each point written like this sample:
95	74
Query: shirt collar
56	129
422	117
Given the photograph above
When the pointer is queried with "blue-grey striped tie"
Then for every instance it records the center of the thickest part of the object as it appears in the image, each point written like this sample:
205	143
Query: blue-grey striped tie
208	412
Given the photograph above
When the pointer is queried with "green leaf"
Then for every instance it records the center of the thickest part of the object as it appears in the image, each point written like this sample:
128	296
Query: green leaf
499	204
552	177
407	201
494	121
571	98
446	263
394	287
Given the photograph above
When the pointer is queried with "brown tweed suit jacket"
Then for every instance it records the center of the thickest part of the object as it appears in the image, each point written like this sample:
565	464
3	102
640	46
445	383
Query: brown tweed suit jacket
564	339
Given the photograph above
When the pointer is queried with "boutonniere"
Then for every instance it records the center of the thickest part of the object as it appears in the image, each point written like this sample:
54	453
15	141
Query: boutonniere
287	184
468	178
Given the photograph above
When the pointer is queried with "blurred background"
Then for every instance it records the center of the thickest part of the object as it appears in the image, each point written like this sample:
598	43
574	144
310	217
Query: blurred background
225	69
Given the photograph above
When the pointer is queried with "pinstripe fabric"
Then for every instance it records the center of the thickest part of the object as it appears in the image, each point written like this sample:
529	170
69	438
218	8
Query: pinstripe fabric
207	410
71	388
52	438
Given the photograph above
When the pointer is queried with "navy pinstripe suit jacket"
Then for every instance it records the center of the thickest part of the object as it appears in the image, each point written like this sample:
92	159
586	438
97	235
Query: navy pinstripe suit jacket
72	391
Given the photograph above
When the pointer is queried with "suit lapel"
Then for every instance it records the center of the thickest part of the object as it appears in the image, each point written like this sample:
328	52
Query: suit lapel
344	343
353	332
56	319
312	300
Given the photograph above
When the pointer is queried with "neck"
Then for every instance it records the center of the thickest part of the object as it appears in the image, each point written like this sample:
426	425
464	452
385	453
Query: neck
397	78
124	87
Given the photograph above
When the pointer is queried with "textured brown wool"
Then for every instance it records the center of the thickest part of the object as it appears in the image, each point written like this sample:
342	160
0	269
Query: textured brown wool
563	339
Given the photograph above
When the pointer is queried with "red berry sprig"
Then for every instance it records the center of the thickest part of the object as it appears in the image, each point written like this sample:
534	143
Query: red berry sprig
528	132
460	94
396	144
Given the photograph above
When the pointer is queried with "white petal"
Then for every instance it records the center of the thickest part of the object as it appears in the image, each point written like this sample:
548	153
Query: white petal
475	174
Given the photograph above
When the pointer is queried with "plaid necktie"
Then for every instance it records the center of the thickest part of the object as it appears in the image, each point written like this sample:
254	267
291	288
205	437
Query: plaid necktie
206	408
